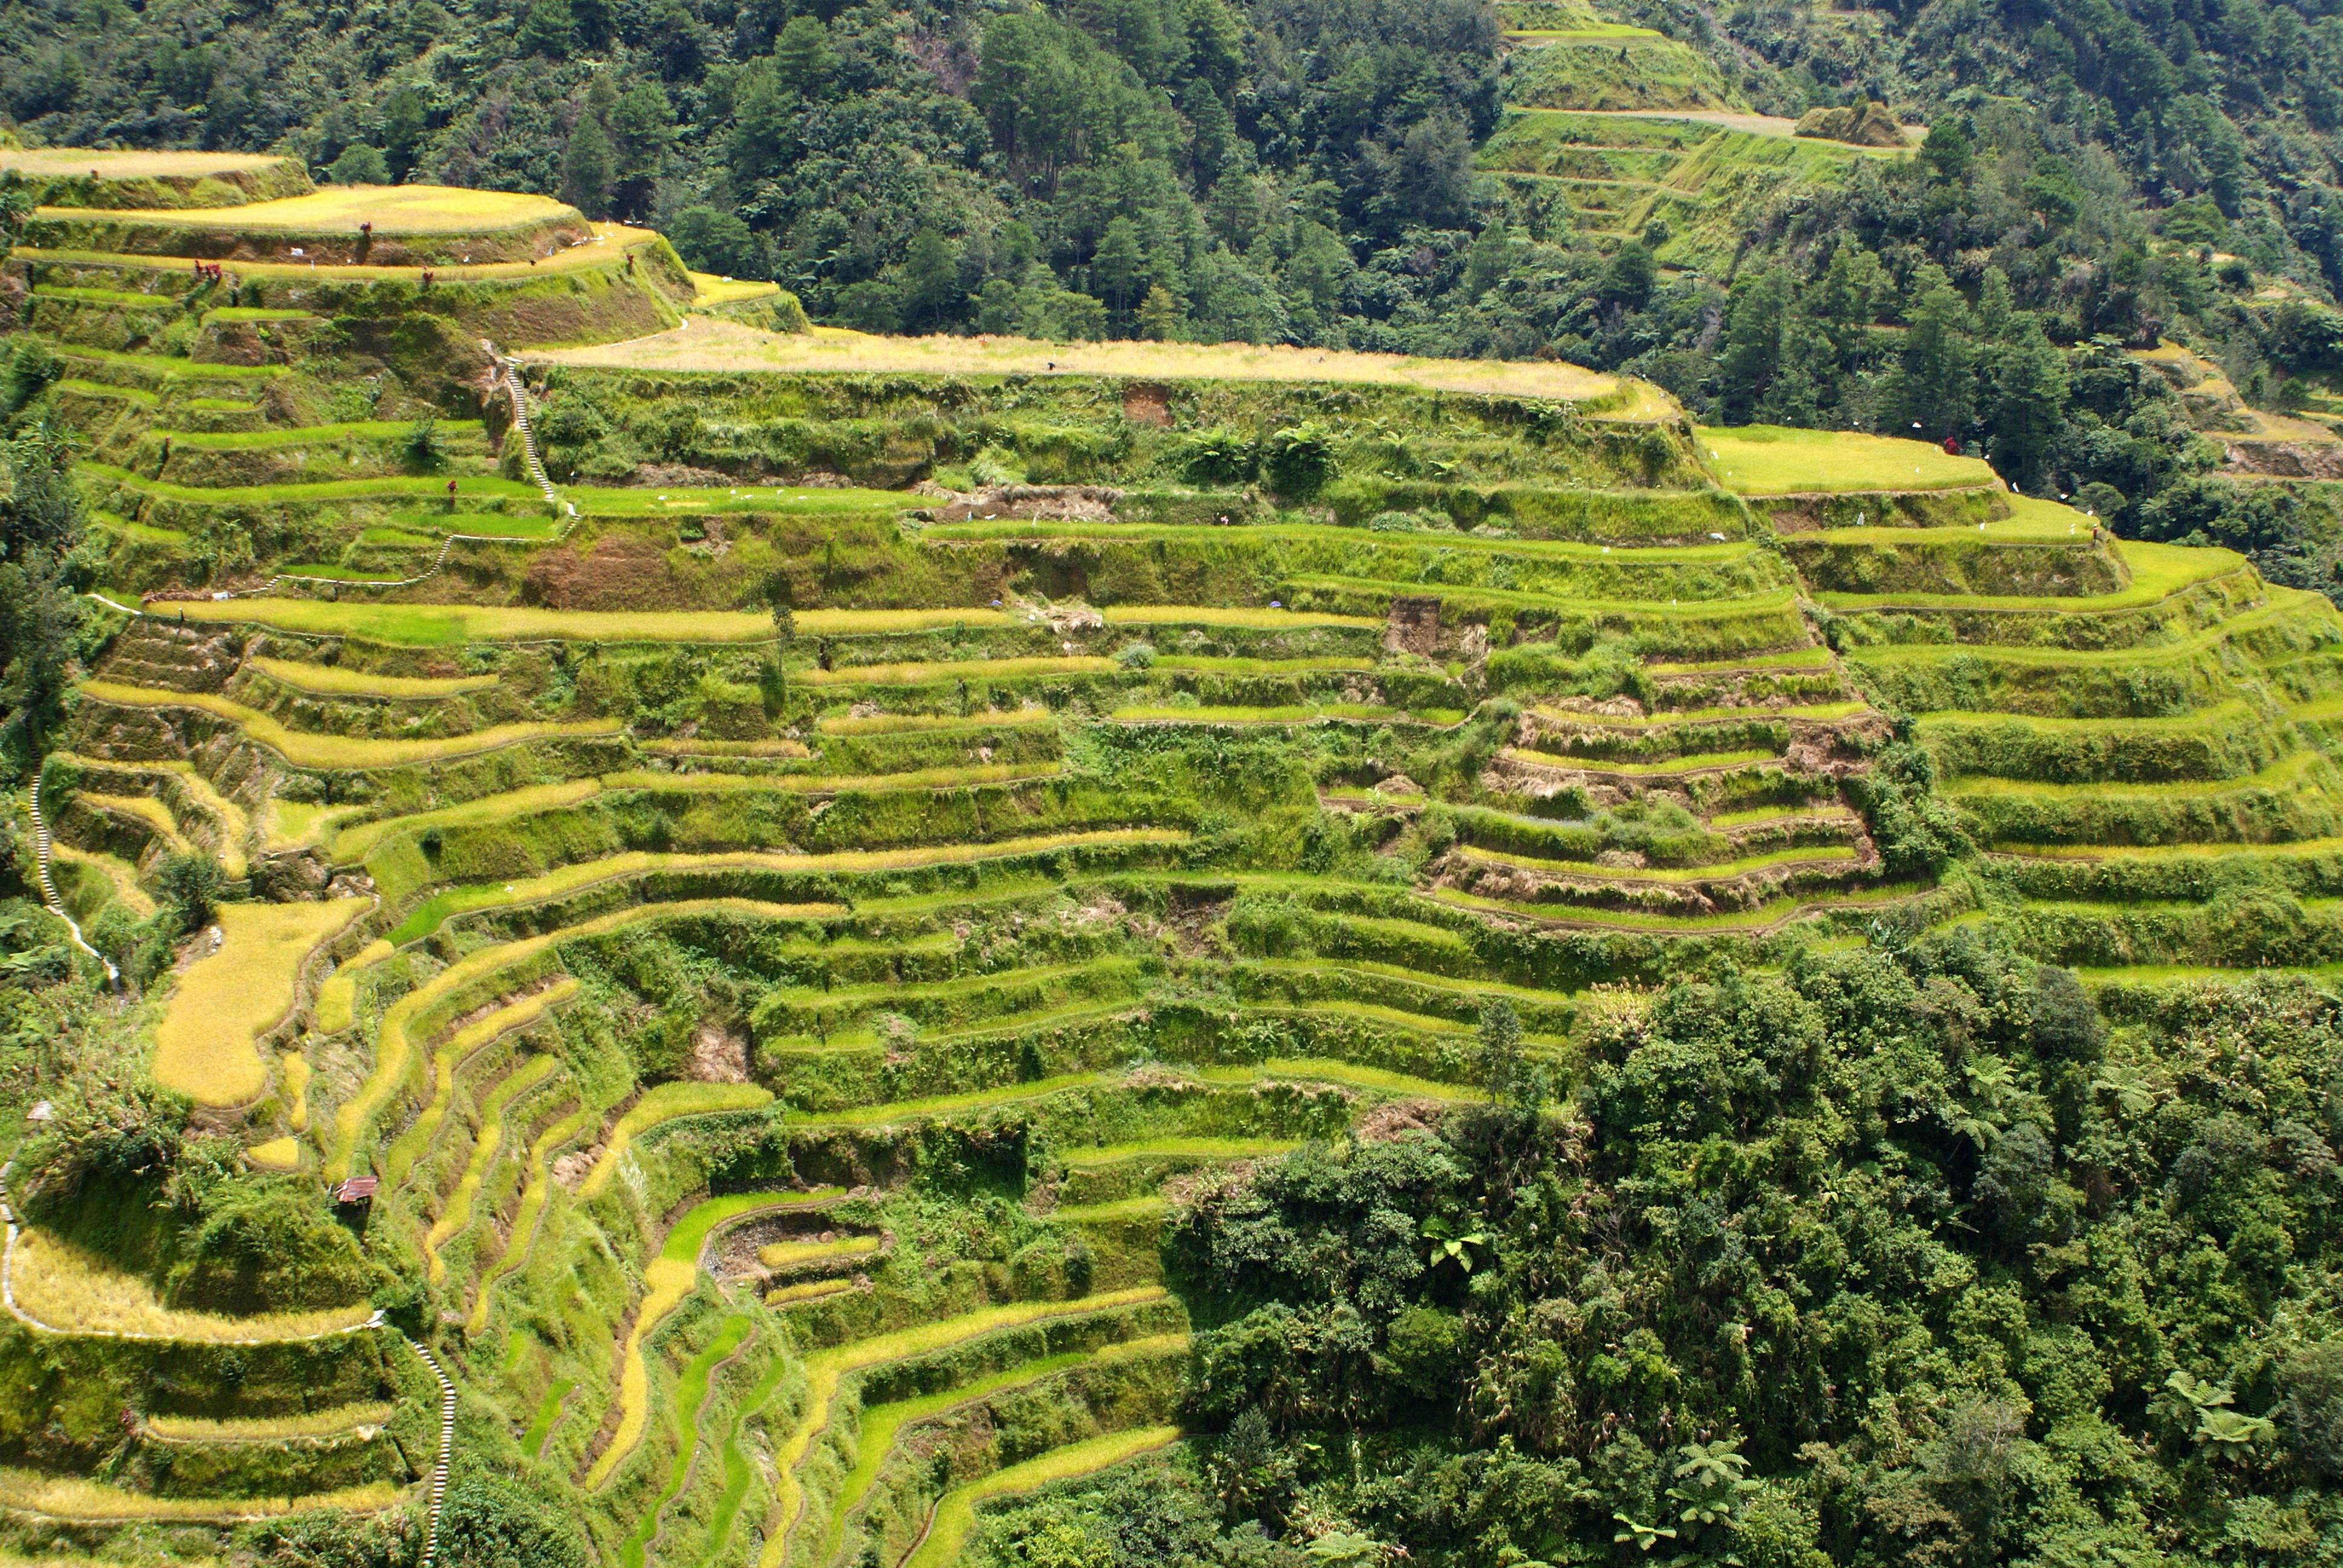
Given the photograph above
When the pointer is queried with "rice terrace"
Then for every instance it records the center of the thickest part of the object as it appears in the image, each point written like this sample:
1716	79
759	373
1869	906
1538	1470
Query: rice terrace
641	930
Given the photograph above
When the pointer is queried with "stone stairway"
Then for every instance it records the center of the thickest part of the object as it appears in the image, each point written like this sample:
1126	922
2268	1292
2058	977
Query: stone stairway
438	1493
508	372
49	888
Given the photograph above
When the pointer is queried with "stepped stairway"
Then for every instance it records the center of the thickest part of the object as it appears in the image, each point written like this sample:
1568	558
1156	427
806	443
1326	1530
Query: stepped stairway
42	852
435	1496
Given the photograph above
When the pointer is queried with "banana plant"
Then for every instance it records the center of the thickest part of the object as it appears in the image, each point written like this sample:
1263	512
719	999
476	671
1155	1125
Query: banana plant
1644	1536
1450	1245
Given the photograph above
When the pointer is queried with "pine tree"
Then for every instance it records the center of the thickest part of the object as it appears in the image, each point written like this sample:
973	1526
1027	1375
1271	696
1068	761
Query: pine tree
643	127
764	126
1752	343
550	29
589	169
803	61
2029	403
1939	384
1119	264
931	279
1505	1068
1160	315
1214	135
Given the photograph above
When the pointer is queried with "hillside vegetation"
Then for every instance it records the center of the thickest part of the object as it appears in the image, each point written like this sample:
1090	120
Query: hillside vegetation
639	932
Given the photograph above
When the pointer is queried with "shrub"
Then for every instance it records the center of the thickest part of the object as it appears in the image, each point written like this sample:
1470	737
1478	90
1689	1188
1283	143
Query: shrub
788	315
490	1522
2311	1381
192	884
424	452
1217	457
269	1248
1297	462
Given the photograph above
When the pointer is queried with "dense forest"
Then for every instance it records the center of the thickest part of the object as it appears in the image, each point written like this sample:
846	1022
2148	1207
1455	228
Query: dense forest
1903	1256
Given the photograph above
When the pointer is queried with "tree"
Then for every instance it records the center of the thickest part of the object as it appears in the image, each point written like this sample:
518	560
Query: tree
404	122
1505	1070
1630	277
41	519
713	241
490	1522
33	368
1212	138
1119	264
764	126
1947	153
359	164
803	61
1297	462
1939	385
930	290
643	127
550	29
1433	172
1160	315
781	601
1753	342
2029	403
191	883
589	169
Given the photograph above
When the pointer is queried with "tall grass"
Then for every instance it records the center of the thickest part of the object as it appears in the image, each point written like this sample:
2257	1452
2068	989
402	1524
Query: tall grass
204	1045
921	674
2158	573
428	915
541	1422
334	680
909	723
304	748
1200	1148
451	625
72	1289
882	1425
521	1238
1776	460
336	1008
782	1256
337	1420
73	1498
690	1395
394	1048
960	776
663	1104
231	826
350	845
948	1104
703	344
392	210
1820	855
1238	616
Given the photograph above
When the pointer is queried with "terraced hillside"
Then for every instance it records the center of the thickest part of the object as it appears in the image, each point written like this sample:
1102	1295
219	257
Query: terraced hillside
756	888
